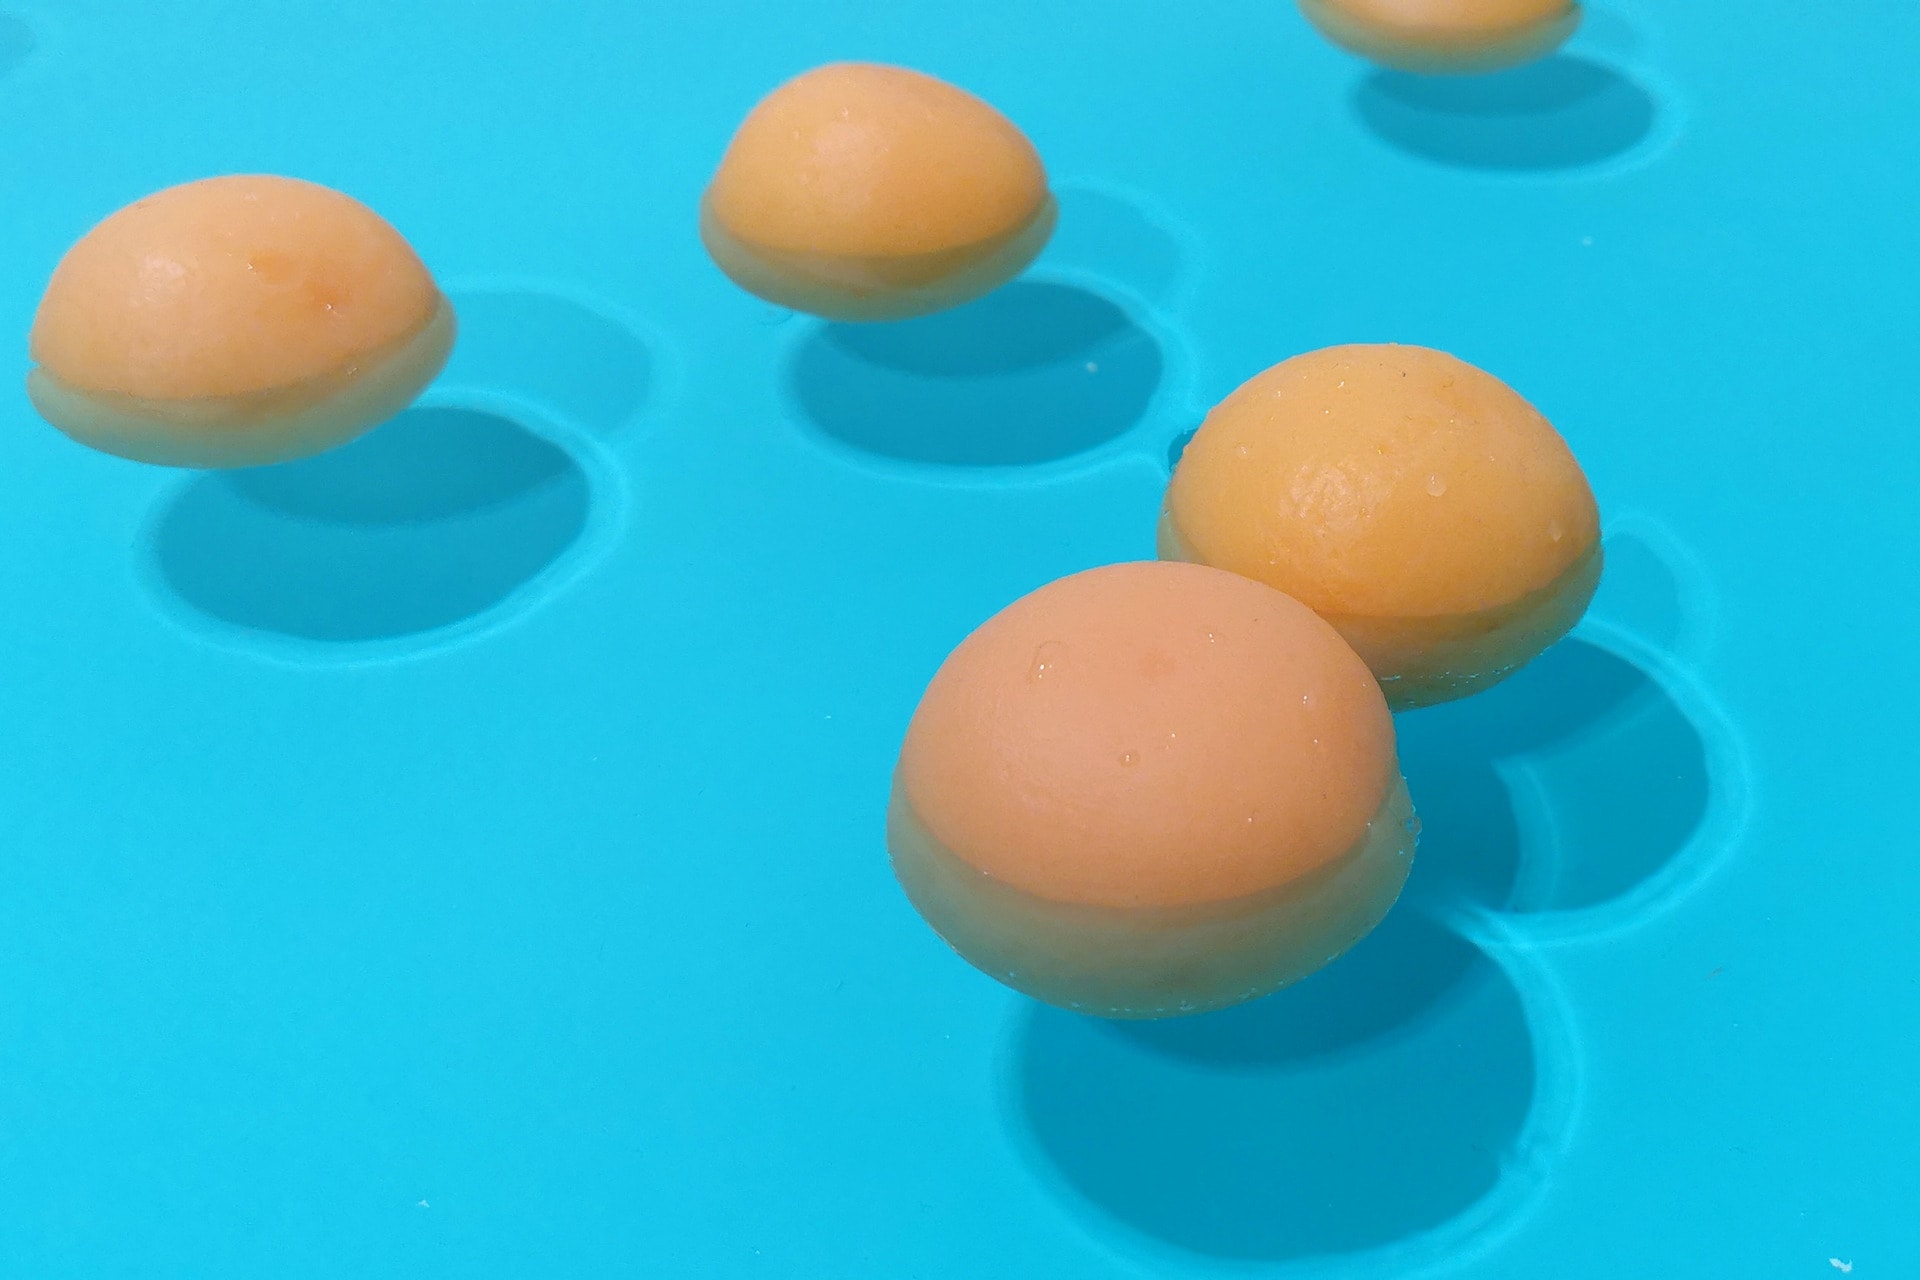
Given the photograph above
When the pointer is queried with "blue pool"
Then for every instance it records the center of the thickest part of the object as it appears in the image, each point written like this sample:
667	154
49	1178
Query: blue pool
461	854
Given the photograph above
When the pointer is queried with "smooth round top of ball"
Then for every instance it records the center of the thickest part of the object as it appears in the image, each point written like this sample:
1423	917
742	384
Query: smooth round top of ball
1446	35
1153	734
868	161
227	287
1385	482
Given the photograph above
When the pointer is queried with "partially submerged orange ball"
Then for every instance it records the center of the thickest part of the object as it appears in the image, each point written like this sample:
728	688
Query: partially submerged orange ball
867	192
1151	789
1417	503
1459	37
235	321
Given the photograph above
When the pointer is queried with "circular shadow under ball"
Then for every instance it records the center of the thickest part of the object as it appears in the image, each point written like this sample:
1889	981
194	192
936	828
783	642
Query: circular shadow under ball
1618	780
1372	1102
1391	977
431	520
1033	373
1565	112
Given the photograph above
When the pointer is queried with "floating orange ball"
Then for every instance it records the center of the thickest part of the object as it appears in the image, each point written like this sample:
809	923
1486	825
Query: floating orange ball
235	321
1151	789
1417	503
1458	37
866	192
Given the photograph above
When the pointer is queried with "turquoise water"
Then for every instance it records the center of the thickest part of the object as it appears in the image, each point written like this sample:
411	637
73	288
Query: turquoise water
462	854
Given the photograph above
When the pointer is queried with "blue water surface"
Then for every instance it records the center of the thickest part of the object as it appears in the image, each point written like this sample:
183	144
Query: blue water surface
461	855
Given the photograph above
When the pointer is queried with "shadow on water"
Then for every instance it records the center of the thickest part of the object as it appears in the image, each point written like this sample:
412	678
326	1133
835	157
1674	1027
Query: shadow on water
1369	1103
1565	112
1564	788
1642	592
1108	234
428	521
1033	373
584	366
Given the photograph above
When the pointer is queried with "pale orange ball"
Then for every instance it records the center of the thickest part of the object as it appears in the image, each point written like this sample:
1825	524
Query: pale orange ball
1458	37
1150	789
866	192
1420	505
235	321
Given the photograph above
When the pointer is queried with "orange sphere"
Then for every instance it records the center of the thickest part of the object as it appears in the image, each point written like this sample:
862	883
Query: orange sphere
1418	504
235	321
1459	37
864	192
1150	789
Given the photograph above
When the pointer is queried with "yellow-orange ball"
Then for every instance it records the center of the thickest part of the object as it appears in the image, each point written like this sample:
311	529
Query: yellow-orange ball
1151	789
1434	517
867	192
1457	37
235	321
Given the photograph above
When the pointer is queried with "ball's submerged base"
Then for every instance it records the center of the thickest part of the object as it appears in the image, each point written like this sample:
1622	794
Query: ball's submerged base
277	425
1431	50
1155	962
867	289
1421	661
